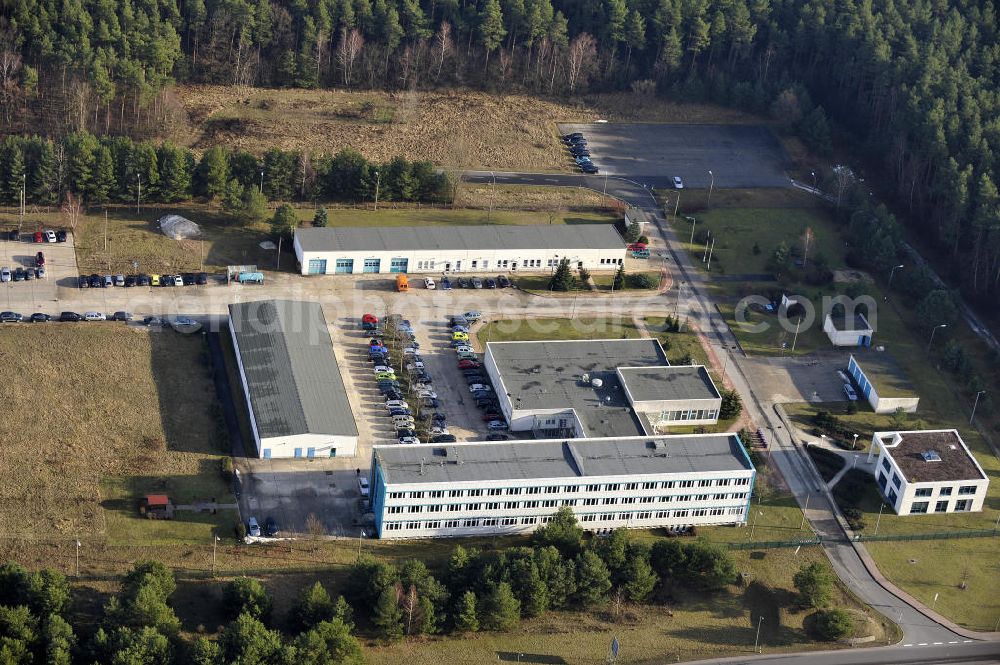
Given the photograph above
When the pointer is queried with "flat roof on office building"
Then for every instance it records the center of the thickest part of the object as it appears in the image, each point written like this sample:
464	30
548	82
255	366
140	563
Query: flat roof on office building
930	456
292	375
484	236
560	458
558	374
674	382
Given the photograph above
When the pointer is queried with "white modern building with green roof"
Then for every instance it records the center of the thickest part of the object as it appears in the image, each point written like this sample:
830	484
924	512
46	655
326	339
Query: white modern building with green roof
464	249
294	391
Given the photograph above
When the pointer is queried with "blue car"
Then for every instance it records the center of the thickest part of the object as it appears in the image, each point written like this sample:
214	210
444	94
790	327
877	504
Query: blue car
446	284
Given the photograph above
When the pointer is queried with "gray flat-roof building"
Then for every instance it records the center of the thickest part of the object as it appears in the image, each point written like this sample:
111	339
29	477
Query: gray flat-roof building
436	249
293	387
576	388
484	488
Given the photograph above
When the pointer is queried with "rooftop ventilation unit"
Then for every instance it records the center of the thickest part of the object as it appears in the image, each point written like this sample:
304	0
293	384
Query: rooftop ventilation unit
930	456
597	383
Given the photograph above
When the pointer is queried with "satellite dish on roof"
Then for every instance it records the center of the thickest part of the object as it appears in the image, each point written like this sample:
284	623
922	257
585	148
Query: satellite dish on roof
597	383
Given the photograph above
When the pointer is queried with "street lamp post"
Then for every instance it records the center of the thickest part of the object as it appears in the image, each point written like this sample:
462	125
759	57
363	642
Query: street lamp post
814	179
138	195
694	222
975	404
78	544
711	186
378	182
493	191
757	639
931	340
879	519
215	543
262	181
754	525
891	273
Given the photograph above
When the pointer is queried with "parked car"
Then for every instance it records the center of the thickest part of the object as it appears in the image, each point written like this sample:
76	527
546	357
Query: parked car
153	322
39	273
201	278
479	388
39	317
446	284
94	316
253	528
129	281
496	436
399	412
40	259
678	183
18	275
460	336
38	237
396	404
154	280
502	281
430	402
473	315
188	279
142	280
464	283
271	527
10	317
12	235
467	355
408	440
463	348
850	393
178	280
572	136
166	280
50	236
121	316
83	282
60	236
425	393
108	280
468	364
491	283
429	283
119	280
96	282
70	317
497	426
383	369
444	438
477	283
589	168
363	486
402	431
5	274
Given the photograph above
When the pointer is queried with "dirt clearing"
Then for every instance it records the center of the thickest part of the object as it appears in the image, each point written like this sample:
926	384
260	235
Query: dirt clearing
455	128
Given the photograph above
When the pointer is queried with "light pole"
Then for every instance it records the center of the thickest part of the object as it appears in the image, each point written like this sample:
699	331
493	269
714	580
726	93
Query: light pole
138	195
931	340
694	222
710	251
879	519
215	542
360	538
814	179
493	191
262	181
711	186
378	182
756	640
891	273
78	543
754	525
855	446
975	404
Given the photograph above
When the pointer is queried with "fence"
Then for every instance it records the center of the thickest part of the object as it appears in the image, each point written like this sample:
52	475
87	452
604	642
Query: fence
935	535
774	544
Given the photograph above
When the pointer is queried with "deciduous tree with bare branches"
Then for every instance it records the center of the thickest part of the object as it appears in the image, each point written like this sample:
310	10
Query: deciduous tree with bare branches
351	45
582	51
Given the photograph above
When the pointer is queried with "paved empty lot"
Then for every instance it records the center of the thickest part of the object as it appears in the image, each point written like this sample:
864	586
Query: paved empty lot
740	156
813	378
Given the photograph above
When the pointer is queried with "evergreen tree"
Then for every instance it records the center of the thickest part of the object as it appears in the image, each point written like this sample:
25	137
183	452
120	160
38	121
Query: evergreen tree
247	641
387	617
58	641
313	606
618	282
466	617
814	583
104	175
246	596
212	175
491	30
637	576
562	279
732	404
499	609
174	173
321	218
328	643
592	578
15	173
562	532
285	221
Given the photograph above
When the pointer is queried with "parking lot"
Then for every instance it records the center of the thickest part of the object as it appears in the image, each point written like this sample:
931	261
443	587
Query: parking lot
37	294
813	378
739	156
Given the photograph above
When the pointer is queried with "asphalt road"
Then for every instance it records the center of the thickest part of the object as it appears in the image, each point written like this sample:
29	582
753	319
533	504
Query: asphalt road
739	156
969	652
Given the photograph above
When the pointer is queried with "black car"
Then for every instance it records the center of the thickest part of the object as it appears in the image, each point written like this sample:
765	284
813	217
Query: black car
39	317
578	150
400	433
496	436
424	377
503	282
201	278
464	283
400	412
166	280
431	402
444	438
130	280
96	282
19	275
10	317
12	235
588	167
394	394
570	137
121	316
491	283
485	403
60	236
70	317
83	282
153	322
188	279
142	280
270	528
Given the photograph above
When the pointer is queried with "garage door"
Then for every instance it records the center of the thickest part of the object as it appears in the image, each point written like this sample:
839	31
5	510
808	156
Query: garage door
372	265
399	265
344	266
317	266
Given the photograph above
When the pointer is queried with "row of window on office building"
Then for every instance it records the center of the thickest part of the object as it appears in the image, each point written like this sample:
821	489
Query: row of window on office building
693	414
567	489
555	503
642	516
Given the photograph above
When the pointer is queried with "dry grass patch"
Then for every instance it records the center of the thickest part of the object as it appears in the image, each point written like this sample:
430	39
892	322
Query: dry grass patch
91	401
542	199
455	128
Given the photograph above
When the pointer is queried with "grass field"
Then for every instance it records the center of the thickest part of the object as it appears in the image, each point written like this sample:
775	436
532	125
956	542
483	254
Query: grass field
539	199
510	330
604	281
96	415
453	128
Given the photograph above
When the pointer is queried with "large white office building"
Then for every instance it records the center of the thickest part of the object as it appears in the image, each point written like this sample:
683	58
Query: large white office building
486	488
595	388
928	471
295	395
457	249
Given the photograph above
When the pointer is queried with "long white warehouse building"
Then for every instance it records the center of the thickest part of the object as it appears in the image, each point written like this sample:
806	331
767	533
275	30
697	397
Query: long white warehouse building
486	488
436	249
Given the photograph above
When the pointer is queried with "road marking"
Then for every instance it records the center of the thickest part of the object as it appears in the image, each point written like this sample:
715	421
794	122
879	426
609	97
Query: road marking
967	641
953	642
907	645
922	644
938	643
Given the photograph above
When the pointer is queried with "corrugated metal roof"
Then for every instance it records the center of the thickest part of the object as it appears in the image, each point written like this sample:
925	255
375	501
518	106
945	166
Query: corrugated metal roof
676	382
471	238
572	458
291	370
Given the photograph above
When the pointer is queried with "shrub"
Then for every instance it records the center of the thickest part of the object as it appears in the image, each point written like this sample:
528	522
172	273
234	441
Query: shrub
640	281
833	624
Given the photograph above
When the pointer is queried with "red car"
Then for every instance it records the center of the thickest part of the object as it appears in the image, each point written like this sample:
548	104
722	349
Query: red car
39	237
491	415
636	246
468	364
39	259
